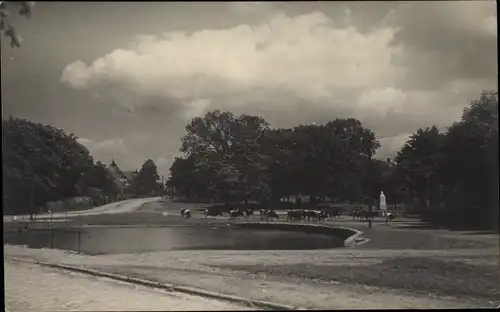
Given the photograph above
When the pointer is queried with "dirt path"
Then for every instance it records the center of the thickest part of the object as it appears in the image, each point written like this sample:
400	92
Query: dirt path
125	206
30	287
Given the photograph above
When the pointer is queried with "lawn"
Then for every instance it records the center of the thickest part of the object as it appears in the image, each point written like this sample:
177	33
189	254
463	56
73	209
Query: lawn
414	274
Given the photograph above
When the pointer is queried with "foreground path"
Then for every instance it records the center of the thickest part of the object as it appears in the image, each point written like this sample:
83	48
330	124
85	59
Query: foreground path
30	287
196	269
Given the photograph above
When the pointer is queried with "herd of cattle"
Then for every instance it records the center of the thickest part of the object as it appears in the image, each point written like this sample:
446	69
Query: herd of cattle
270	214
296	215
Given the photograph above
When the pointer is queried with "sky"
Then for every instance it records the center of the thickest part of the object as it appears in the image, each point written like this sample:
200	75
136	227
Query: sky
127	77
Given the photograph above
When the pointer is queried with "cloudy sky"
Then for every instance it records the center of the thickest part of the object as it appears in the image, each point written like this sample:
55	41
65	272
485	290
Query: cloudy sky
127	77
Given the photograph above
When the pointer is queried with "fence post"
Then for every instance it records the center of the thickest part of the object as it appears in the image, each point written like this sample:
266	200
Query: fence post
52	234
79	241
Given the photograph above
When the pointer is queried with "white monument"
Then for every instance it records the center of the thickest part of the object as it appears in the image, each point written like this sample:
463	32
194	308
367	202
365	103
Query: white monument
383	204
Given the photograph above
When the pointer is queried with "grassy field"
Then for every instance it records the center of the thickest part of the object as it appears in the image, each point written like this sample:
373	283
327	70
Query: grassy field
413	274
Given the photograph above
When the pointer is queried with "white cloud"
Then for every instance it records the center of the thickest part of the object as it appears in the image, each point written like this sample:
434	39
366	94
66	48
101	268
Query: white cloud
164	162
391	145
197	108
302	67
104	149
383	99
303	56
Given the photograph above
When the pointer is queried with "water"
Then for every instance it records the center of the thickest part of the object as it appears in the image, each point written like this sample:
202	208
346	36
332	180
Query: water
121	240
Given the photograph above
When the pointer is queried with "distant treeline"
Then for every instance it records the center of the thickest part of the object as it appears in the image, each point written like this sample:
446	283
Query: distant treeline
42	164
449	178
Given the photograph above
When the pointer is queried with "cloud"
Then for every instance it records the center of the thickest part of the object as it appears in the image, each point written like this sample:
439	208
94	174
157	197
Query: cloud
445	40
105	149
249	7
383	99
197	108
391	144
302	56
396	77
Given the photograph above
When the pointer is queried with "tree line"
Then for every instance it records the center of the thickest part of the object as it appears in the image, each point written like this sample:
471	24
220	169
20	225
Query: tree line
44	164
450	178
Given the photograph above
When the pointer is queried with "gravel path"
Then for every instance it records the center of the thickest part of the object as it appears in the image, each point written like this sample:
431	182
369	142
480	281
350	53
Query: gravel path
30	287
125	206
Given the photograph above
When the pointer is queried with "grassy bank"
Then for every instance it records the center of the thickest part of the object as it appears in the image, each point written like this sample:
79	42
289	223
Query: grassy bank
426	276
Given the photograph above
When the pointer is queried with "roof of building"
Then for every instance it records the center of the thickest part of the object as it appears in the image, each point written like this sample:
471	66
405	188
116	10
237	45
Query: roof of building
116	171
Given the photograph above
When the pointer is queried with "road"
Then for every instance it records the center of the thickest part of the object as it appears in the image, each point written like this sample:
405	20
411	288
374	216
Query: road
117	207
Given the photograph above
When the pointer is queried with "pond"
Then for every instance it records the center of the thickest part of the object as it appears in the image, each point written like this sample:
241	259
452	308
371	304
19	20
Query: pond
122	240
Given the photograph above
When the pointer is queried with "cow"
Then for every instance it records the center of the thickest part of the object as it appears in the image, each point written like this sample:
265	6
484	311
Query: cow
389	217
294	215
263	213
186	213
271	214
248	212
212	213
311	215
236	213
321	216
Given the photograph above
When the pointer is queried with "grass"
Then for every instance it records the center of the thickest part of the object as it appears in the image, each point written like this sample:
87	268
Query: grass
414	274
388	238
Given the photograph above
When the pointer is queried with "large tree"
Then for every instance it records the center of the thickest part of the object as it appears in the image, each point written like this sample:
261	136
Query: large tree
40	163
470	167
226	149
453	177
146	181
245	160
419	162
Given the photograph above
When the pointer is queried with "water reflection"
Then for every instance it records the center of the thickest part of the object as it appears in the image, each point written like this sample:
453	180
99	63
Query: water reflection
94	241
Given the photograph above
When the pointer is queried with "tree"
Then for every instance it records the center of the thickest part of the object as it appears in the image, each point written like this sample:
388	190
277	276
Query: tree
100	182
454	176
419	162
40	163
241	159
358	138
23	8
470	167
319	160
247	163
277	147
226	148
212	134
146	181
187	179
